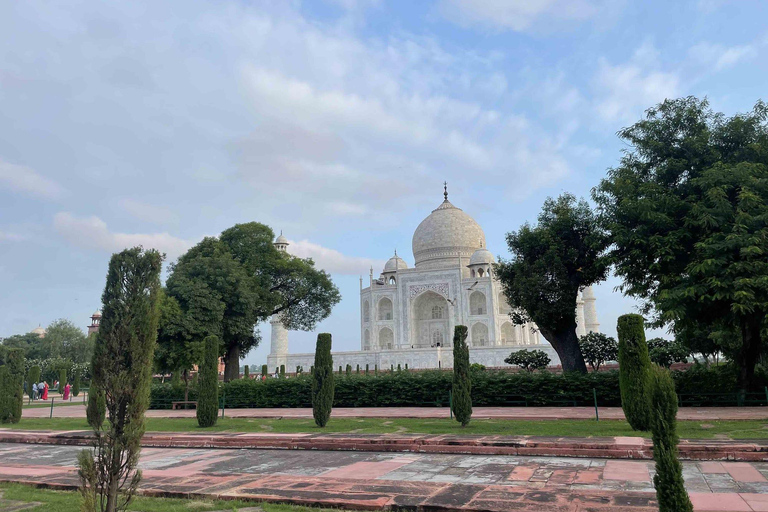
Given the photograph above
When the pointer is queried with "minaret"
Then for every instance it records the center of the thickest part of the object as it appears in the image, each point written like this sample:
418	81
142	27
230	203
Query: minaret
279	346
581	329
590	310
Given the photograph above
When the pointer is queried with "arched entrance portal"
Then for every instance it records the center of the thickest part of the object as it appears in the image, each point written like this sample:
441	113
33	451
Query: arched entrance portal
429	320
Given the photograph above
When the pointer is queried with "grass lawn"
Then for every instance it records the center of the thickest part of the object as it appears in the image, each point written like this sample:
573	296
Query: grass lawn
747	429
69	501
47	403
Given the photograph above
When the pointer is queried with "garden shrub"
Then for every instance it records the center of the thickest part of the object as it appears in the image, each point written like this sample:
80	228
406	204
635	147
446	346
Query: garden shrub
11	384
634	366
529	360
322	381
33	377
668	480
76	385
96	410
246	372
62	379
208	385
462	384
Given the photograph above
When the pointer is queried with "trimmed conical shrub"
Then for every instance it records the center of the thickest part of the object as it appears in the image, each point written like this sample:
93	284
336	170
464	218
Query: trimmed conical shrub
462	386
668	480
208	385
634	365
246	372
62	379
282	371
349	370
96	409
11	384
264	370
322	380
76	385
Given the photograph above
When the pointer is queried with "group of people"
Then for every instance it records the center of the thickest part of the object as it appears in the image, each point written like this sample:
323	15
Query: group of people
40	390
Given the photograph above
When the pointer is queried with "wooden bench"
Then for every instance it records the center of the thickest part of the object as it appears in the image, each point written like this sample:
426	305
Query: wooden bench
175	405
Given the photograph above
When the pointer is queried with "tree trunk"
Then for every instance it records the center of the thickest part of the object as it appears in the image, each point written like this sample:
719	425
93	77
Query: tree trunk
186	387
566	344
750	351
232	364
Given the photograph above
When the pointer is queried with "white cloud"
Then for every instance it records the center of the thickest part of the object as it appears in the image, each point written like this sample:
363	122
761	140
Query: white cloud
332	261
92	233
148	212
721	57
26	180
6	236
623	91
518	15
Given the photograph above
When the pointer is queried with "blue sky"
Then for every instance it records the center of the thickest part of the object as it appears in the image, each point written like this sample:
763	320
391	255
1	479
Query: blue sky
158	123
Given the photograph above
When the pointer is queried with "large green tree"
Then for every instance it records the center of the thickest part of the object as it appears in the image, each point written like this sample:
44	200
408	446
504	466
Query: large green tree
178	348
122	371
63	339
550	263
687	208
228	285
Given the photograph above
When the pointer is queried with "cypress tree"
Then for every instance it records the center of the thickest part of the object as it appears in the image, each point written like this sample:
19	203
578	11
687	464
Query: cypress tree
122	368
376	370
264	370
282	371
76	384
208	388
357	371
406	366
176	379
392	367
246	372
634	366
322	381
11	384
462	386
366	369
33	377
96	408
340	370
62	379
398	368
668	480
349	369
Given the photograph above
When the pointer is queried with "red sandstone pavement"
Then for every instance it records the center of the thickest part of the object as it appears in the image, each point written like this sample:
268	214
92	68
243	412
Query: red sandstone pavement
506	413
605	447
420	482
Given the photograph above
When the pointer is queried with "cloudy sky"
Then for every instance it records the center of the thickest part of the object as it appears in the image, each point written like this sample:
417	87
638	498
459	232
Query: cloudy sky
336	121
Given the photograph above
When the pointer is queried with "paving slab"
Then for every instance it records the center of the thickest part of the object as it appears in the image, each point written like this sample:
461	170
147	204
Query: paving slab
385	481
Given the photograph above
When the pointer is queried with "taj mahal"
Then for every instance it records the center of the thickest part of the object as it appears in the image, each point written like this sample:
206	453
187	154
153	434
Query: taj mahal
407	314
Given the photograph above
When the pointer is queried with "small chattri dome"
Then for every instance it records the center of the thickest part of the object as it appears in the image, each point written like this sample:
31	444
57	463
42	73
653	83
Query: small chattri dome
39	331
482	256
281	239
96	314
395	263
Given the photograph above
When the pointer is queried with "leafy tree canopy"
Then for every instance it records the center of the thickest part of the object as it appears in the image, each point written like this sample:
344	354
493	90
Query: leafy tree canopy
63	339
687	208
598	348
226	286
529	360
550	263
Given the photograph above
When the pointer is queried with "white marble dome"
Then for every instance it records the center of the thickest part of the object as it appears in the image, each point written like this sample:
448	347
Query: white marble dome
395	263
444	235
482	256
281	239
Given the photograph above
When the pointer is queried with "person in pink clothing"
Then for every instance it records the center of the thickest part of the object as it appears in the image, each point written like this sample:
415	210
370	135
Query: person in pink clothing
45	392
66	391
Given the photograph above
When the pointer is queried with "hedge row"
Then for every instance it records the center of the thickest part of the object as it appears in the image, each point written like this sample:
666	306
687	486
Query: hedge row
430	388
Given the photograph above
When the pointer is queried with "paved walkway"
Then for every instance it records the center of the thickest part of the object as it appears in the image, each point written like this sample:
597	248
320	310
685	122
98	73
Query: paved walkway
369	480
507	413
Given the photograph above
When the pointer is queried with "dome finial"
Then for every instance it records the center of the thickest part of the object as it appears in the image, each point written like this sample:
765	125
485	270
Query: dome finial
395	252
445	190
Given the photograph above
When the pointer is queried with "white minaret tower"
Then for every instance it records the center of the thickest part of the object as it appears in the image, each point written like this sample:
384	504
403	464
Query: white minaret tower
581	328
279	347
590	310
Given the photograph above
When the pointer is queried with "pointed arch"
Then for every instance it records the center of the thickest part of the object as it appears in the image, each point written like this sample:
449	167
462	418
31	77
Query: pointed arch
504	308
366	311
477	303
367	340
480	335
386	339
507	334
385	309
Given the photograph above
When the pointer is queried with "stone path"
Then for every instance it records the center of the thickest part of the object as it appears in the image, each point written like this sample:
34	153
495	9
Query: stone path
371	480
518	413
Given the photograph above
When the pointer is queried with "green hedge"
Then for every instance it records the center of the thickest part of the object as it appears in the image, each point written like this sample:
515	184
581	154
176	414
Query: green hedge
429	388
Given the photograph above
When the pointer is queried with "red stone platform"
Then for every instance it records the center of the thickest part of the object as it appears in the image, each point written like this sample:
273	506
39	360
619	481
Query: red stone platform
606	447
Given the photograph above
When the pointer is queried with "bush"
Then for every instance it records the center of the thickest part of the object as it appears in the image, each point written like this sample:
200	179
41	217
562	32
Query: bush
62	379
668	480
282	371
348	369
264	370
664	352
598	348
11	384
462	384
96	409
529	360
634	366
208	385
322	381
33	377
489	388
246	372
76	385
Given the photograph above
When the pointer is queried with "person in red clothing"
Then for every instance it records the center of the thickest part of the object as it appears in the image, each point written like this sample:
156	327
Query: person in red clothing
66	391
45	392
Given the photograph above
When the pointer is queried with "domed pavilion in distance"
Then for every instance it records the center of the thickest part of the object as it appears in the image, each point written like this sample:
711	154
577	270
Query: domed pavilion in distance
407	315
